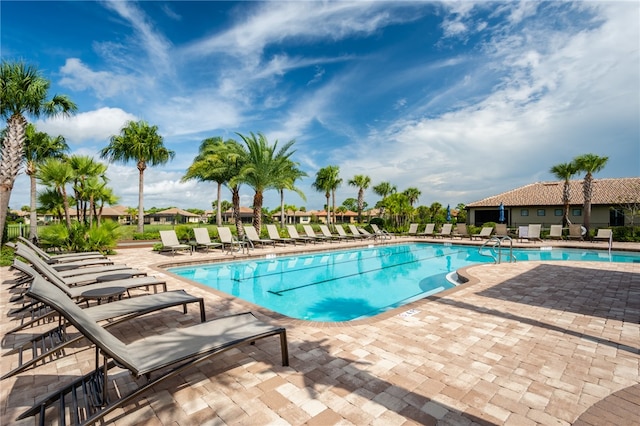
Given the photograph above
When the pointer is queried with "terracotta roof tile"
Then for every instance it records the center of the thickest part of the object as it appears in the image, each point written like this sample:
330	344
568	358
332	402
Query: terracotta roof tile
605	192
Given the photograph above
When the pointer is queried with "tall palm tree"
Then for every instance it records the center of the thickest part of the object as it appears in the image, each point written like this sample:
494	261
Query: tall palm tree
57	174
286	179
590	164
206	166
384	189
23	91
327	180
361	182
234	159
39	146
412	194
565	171
139	142
261	172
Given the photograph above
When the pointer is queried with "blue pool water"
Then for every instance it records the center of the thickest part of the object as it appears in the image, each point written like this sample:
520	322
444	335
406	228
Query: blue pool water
343	285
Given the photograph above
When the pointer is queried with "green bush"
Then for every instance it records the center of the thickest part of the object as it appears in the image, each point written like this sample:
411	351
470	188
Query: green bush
80	237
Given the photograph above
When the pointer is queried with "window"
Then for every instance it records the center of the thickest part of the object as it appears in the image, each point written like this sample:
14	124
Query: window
524	212
541	212
557	212
576	212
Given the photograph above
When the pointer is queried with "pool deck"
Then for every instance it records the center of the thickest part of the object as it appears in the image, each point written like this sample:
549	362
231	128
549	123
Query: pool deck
529	343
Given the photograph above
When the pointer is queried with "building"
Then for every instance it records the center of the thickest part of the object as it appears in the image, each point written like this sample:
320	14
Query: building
541	203
172	216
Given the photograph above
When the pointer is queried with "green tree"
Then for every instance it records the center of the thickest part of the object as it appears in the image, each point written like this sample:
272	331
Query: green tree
23	91
590	164
565	171
57	174
351	204
361	182
286	180
384	189
38	146
210	165
89	179
139	142
328	180
265	162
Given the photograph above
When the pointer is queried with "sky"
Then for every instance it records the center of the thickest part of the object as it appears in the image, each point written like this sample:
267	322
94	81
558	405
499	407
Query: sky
462	100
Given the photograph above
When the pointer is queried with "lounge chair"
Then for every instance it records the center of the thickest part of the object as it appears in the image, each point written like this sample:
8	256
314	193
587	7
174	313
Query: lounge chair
170	243
485	233
461	231
253	236
532	233
445	231
229	241
555	232
157	357
501	230
50	344
368	234
575	232
357	234
328	234
309	232
381	233
76	291
64	257
429	230
340	230
79	279
275	235
293	233
603	235
203	239
413	230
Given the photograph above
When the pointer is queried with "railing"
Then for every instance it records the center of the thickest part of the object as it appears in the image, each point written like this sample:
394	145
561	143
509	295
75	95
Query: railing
495	250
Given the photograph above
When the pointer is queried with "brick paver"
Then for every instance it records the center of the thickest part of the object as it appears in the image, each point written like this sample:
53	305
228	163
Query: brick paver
531	343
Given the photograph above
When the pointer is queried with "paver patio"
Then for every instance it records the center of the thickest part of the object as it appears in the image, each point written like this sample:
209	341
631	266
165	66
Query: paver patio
519	344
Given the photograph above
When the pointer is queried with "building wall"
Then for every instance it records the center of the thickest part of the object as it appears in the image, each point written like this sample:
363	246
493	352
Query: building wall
548	215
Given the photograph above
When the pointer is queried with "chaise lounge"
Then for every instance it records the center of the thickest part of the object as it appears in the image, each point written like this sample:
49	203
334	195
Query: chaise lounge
157	357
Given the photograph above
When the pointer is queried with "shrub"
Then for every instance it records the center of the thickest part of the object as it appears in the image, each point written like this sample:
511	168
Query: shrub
80	237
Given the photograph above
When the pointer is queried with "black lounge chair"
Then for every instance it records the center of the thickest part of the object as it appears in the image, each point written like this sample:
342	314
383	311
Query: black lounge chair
51	343
162	356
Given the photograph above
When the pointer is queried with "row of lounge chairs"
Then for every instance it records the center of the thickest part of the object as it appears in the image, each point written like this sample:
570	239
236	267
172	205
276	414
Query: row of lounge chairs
42	293
227	241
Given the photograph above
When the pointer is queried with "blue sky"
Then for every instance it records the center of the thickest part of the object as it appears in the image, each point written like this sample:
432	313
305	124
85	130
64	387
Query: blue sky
462	100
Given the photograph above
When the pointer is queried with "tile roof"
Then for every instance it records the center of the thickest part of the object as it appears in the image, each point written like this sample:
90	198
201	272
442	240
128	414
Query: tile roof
605	192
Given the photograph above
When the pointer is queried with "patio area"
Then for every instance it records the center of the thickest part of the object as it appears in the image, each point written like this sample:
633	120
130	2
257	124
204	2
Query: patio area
529	343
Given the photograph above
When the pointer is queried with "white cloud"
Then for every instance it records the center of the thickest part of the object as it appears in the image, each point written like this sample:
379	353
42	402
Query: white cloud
91	126
105	84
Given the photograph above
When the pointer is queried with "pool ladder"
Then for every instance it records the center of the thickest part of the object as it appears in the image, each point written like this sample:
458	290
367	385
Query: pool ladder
495	248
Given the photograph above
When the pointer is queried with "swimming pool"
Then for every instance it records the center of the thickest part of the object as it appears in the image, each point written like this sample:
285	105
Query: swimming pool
344	285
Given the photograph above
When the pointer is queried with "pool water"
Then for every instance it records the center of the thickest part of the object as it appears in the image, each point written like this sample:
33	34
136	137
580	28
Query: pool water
344	285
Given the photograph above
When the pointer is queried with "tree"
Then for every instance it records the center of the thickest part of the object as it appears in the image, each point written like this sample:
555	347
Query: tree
89	180
139	142
286	179
23	90
361	182
412	194
209	165
384	189
265	163
565	171
590	164
327	180
57	174
351	204
38	146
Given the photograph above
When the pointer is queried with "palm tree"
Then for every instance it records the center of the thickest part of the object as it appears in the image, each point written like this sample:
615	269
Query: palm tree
361	182
88	177
23	90
139	142
565	171
264	164
39	146
234	159
57	174
286	179
412	194
590	164
327	180
384	189
209	165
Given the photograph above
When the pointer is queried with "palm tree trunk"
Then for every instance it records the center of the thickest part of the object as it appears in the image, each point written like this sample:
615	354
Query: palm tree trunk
235	200
33	215
65	203
282	208
588	192
219	205
257	211
141	200
328	210
12	146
